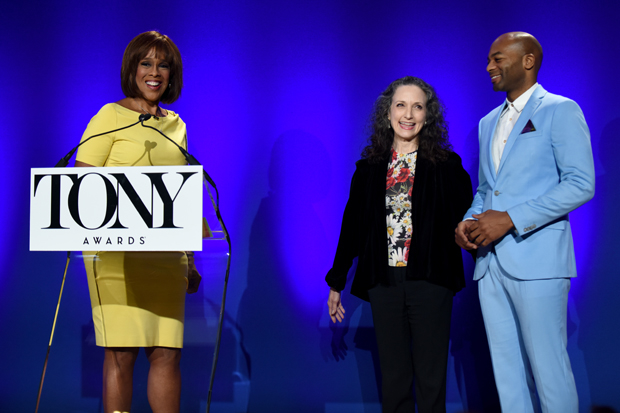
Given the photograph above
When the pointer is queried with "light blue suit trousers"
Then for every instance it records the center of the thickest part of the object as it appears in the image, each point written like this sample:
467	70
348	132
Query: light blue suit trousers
526	329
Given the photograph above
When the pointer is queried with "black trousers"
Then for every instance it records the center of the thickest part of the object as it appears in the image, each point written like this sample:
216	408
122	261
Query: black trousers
412	325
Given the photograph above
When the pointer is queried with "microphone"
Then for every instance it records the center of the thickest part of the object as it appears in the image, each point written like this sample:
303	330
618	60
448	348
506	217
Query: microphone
188	157
65	159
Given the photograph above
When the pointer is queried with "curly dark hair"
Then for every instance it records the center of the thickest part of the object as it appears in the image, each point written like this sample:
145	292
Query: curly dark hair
433	143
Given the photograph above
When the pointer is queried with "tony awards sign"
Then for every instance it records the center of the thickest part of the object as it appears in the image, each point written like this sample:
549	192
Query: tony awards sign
154	208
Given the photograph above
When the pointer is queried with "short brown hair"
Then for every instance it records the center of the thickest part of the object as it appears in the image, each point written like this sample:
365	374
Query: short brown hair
137	50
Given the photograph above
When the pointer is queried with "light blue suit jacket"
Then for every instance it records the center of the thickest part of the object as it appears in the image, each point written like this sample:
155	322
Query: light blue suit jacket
543	175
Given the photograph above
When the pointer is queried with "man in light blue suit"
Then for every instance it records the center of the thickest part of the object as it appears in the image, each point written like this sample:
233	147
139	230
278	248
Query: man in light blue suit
536	166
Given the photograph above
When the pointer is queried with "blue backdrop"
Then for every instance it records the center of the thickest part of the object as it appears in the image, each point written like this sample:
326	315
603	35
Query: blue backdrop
277	95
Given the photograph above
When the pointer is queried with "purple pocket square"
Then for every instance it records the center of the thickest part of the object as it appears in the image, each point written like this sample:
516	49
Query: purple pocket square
529	127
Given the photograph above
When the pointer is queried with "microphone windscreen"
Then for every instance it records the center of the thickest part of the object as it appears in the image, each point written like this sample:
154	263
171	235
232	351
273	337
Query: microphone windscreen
144	116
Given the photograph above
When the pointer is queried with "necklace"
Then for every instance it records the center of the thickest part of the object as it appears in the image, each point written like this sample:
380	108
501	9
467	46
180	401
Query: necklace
158	112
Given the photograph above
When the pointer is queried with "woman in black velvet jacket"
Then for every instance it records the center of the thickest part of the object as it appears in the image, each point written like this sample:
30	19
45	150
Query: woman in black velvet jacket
409	266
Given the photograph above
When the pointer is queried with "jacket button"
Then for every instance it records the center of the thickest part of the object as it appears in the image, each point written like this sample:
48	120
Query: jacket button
496	193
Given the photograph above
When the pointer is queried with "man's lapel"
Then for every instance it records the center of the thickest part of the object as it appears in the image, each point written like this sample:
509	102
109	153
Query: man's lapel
490	173
526	115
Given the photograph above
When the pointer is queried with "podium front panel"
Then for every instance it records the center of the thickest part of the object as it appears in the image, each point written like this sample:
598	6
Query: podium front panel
156	208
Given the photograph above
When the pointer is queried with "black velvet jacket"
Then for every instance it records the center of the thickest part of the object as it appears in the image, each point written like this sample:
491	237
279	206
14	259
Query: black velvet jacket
441	195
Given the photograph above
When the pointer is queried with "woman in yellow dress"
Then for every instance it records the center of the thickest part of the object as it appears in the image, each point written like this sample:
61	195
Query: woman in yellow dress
138	298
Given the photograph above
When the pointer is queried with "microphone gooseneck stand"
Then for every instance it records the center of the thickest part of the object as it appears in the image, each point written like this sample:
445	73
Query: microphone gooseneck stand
49	346
63	162
65	159
216	206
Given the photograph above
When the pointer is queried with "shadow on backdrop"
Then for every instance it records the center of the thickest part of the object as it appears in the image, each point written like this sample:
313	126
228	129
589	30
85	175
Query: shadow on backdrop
281	306
602	282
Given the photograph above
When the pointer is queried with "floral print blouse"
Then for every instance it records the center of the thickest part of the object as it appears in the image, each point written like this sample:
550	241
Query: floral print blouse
400	176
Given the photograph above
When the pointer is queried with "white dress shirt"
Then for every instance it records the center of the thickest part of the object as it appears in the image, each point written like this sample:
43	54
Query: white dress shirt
507	120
